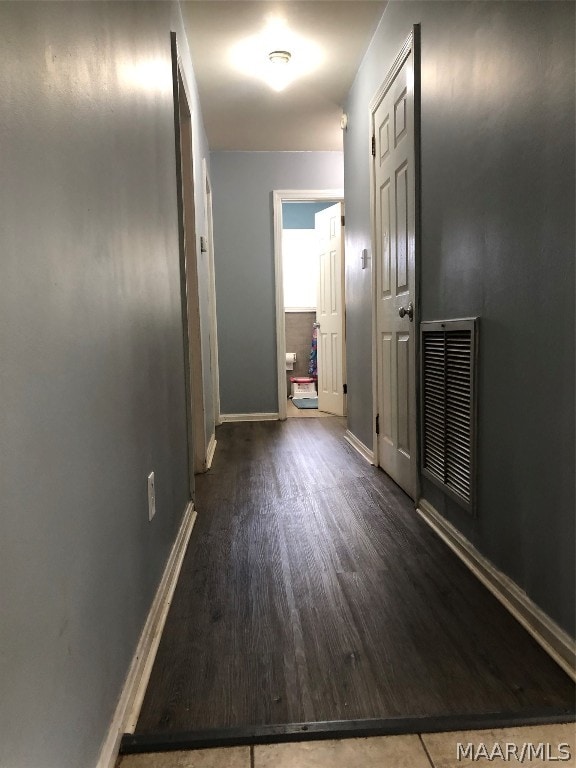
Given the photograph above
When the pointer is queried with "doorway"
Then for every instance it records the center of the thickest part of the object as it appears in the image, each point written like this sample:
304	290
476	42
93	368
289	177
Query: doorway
208	246
190	299
302	290
395	307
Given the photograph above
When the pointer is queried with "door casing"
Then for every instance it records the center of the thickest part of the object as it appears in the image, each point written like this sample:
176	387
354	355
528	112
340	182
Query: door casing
411	45
212	294
331	289
194	386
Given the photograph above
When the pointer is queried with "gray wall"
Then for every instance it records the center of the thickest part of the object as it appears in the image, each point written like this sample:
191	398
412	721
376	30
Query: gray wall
91	362
498	242
298	339
244	259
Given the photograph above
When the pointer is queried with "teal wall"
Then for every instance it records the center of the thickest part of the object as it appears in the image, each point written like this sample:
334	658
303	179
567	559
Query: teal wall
243	183
301	215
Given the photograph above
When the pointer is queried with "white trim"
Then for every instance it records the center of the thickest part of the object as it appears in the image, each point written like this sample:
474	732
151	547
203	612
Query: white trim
189	266
132	695
554	640
249	417
359	446
279	298
211	451
278	196
407	48
212	292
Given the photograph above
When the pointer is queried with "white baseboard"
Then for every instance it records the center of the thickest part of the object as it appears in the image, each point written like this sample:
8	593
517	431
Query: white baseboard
211	451
358	445
249	417
554	640
130	702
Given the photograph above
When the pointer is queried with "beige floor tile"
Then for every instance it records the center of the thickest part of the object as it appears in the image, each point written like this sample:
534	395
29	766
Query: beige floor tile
445	753
374	752
228	757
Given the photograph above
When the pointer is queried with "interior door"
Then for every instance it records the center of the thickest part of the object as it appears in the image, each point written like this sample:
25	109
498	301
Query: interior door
394	211
189	287
330	310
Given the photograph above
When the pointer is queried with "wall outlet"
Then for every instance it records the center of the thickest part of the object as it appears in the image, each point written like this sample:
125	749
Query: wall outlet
151	496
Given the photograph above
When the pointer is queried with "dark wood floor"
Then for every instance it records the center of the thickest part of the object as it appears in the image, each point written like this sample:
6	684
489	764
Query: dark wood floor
312	591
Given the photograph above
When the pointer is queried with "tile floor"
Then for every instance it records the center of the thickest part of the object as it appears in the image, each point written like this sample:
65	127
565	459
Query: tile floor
552	745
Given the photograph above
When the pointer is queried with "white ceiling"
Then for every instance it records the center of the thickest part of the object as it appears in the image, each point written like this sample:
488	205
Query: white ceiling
243	113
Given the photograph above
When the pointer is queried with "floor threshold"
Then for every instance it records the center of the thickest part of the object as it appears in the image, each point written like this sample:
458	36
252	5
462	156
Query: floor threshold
336	729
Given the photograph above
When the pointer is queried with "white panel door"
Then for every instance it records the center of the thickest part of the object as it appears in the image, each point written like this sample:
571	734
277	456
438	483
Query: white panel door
330	310
394	211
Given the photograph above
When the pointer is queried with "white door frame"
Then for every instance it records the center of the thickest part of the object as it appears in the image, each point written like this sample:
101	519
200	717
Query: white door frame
278	197
183	125
411	44
212	290
330	296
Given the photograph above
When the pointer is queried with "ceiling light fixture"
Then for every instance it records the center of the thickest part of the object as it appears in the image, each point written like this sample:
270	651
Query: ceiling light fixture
279	57
279	75
276	55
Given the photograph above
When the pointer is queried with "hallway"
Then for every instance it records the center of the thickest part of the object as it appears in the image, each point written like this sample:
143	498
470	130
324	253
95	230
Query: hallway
312	592
139	289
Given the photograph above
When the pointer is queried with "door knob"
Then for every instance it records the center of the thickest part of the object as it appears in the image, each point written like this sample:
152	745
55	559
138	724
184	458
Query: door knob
315	325
409	310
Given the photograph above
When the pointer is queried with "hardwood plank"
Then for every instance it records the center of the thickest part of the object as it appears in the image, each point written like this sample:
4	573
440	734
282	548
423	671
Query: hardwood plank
311	591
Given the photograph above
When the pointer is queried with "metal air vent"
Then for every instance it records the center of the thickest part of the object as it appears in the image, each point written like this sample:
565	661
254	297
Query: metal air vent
448	366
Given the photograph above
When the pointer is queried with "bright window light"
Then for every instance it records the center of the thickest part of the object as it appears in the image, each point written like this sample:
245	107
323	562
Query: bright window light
300	262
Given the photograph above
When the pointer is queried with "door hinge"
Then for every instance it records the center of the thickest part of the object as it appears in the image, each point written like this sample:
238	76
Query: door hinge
345	388
343	219
377	423
373	146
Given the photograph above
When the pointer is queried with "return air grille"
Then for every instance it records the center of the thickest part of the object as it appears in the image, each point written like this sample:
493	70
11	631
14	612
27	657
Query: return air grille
448	350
